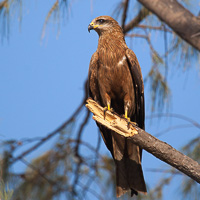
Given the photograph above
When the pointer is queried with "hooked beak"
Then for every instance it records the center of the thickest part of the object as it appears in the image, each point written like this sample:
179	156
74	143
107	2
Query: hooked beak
90	27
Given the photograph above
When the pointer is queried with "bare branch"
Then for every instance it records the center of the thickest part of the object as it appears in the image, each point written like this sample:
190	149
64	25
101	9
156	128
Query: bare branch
159	149
137	35
166	171
180	126
135	21
125	5
160	28
30	165
77	147
178	116
80	132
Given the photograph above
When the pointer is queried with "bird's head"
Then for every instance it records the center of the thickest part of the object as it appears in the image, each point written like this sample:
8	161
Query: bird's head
104	24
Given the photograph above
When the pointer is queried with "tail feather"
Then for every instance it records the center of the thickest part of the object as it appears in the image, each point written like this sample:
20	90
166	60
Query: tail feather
129	175
127	157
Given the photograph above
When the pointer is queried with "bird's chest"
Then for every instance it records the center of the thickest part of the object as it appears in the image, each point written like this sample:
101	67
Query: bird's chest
112	69
113	74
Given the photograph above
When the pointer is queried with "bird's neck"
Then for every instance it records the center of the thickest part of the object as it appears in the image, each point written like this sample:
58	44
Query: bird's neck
112	41
111	48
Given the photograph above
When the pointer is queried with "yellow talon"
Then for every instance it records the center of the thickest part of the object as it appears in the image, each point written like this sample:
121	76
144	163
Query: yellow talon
129	119
126	114
108	106
105	109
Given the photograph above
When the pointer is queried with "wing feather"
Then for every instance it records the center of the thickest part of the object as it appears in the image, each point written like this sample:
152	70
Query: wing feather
94	93
139	87
93	78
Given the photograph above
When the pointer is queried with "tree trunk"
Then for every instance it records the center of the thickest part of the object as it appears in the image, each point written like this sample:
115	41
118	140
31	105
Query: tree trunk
182	21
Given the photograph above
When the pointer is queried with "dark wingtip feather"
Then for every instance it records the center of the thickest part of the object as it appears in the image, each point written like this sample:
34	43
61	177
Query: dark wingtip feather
133	192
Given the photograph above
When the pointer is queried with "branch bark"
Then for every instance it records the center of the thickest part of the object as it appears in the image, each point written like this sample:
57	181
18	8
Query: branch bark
181	20
159	149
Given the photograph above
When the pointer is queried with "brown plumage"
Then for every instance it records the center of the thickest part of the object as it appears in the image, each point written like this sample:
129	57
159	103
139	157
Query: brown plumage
115	80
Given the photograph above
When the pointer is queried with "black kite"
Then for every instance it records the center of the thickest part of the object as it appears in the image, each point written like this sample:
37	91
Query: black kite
115	80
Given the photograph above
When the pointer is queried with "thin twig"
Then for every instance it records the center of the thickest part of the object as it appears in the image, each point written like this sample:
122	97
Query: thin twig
80	132
51	182
161	28
77	175
180	126
89	146
136	35
178	116
97	151
166	55
168	171
124	15
143	13
147	37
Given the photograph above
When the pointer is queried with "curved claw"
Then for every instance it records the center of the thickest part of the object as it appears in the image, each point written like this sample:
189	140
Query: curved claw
129	121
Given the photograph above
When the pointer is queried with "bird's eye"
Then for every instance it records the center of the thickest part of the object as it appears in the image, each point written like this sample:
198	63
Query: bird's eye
101	21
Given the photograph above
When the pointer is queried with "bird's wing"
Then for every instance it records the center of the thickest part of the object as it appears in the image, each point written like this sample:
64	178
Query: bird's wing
92	78
95	94
139	115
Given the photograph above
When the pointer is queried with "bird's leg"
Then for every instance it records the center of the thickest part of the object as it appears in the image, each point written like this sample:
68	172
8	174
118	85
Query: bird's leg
128	118
126	109
108	102
105	109
126	114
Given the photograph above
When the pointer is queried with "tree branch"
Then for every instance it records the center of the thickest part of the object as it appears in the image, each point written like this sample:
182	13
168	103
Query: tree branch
124	15
160	28
159	149
135	21
181	20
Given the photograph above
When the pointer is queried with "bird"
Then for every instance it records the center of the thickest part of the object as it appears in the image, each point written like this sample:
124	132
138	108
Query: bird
115	82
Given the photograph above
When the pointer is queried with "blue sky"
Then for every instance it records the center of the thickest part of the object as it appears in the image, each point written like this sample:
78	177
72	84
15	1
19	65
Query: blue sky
41	81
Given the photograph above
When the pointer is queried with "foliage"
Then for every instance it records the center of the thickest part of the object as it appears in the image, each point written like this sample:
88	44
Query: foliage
9	9
5	192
